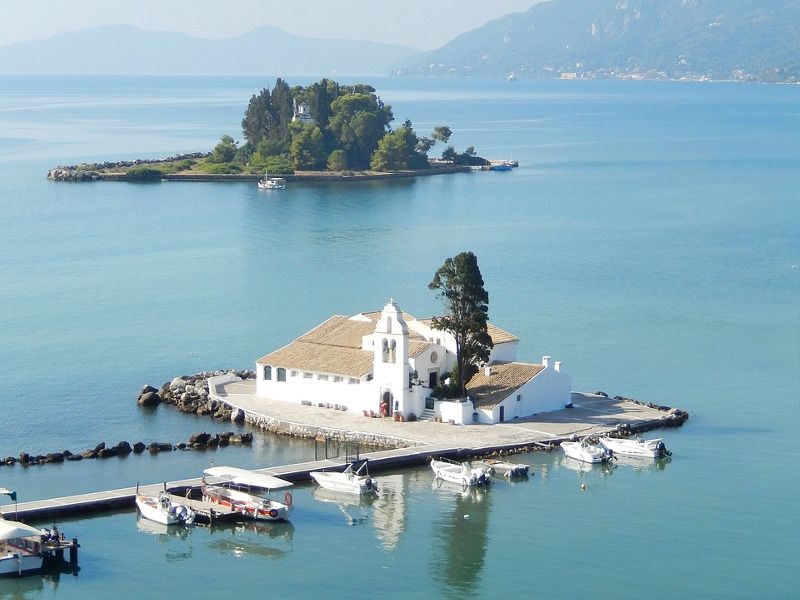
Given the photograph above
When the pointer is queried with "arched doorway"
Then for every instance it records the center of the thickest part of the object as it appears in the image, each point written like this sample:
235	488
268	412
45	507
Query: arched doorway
386	404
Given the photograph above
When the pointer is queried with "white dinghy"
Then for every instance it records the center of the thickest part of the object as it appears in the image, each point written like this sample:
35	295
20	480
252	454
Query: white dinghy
636	447
354	479
161	509
587	452
462	474
505	468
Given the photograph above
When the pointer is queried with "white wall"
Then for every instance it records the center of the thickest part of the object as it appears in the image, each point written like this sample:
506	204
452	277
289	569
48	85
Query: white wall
506	352
356	396
550	390
458	412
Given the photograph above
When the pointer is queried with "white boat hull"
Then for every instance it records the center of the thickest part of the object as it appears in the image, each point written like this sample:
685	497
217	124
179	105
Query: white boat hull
344	482
636	447
161	510
20	562
585	452
460	473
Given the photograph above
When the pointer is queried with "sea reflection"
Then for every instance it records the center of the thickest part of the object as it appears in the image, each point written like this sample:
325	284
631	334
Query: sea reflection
354	507
249	538
391	509
463	534
641	463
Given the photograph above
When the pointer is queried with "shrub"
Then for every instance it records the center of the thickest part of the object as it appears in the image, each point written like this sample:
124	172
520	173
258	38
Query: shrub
144	174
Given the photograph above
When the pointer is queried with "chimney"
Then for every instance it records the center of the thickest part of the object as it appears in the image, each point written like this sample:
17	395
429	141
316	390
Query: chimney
557	366
546	361
487	370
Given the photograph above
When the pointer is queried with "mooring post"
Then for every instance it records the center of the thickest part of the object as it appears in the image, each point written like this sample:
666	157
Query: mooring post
73	553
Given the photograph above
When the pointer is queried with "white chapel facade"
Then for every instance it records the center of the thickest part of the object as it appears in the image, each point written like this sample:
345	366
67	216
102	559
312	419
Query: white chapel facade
386	362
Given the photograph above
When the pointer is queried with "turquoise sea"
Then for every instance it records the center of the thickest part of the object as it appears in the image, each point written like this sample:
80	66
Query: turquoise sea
650	240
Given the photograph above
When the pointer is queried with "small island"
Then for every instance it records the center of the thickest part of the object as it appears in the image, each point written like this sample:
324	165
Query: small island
322	131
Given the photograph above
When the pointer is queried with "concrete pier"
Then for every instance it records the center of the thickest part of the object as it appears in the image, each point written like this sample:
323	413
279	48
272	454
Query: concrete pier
414	443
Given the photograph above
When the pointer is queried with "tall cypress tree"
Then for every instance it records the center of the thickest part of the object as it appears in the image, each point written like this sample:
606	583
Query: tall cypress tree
460	285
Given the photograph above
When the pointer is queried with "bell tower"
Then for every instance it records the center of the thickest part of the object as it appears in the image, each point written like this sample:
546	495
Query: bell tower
390	357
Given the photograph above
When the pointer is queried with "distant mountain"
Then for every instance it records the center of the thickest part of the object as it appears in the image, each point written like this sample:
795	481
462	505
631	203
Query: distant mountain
666	39
127	50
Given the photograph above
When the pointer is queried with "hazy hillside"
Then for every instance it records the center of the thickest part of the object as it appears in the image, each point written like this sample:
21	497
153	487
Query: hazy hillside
127	50
717	39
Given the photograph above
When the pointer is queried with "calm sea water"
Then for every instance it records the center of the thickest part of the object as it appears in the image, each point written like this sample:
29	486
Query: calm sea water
650	240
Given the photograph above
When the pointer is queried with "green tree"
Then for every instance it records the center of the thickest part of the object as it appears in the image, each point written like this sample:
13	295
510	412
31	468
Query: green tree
442	134
337	161
258	117
397	150
224	151
358	121
308	147
460	285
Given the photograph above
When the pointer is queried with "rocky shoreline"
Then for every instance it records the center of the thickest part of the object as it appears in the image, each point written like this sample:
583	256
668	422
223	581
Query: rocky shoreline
197	441
90	171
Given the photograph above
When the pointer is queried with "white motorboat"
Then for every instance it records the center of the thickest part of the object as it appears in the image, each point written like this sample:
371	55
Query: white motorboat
247	492
162	510
636	447
20	548
354	479
586	452
463	474
272	183
505	468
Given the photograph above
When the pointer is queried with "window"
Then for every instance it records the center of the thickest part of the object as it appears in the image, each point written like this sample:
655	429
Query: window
267	373
336	378
353	380
294	373
322	377
281	374
306	375
519	397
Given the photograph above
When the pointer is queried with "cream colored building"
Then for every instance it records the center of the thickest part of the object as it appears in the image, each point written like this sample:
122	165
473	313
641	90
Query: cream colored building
387	361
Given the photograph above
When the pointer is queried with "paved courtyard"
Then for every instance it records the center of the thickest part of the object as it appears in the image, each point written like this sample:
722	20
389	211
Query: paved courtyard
590	414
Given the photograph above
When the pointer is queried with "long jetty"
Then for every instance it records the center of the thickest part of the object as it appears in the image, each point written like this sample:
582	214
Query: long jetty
591	415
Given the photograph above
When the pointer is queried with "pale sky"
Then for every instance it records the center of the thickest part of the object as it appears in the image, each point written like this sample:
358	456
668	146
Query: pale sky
422	24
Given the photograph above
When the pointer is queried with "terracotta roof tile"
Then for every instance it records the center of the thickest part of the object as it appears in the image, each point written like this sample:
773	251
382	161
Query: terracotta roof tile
490	390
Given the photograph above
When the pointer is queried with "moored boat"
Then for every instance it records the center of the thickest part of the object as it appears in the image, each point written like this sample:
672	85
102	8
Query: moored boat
636	447
20	548
586	452
272	183
162	510
247	492
462	474
505	468
354	479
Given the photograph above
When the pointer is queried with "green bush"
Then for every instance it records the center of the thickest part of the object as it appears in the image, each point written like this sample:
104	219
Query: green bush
144	174
219	168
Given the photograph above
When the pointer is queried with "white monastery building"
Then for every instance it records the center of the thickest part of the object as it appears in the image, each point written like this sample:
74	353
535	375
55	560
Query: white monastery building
389	362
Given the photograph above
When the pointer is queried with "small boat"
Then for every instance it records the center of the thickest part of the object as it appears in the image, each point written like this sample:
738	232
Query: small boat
501	165
272	183
247	492
20	548
463	474
506	469
161	510
636	447
586	452
354	479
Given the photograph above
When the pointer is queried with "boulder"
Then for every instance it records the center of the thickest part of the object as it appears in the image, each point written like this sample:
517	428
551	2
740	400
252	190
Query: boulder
146	389
90	453
138	448
10	460
75	457
107	452
201	438
237	415
54	457
123	448
24	458
178	383
247	438
149	399
99	447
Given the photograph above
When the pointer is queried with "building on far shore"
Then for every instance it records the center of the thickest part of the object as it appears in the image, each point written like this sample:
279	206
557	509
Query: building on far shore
301	112
386	362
